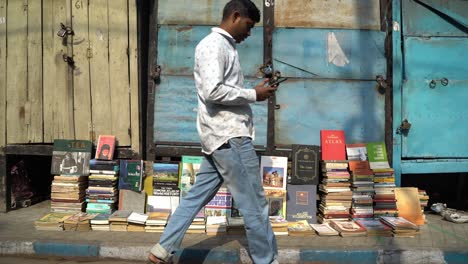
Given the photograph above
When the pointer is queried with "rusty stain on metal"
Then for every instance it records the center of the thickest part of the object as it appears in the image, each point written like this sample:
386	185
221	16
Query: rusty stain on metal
182	29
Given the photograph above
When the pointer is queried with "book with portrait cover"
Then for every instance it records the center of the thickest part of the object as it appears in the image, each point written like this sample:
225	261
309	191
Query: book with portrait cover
71	157
273	171
305	164
301	203
105	147
333	144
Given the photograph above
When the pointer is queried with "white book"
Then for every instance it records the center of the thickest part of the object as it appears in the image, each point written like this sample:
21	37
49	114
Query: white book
137	218
324	229
273	172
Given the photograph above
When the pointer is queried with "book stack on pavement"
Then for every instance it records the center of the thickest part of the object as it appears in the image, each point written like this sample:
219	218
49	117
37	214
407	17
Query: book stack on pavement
118	220
279	225
70	165
78	222
348	228
100	223
362	185
216	225
156	221
51	221
401	227
384	180
324	229
136	222
375	227
300	228
102	192
68	193
335	190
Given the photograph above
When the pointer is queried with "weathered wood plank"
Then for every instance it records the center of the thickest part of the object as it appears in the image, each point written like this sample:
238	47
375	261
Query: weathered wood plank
58	111
133	64
99	68
34	103
17	94
194	12
352	14
81	85
3	70
118	71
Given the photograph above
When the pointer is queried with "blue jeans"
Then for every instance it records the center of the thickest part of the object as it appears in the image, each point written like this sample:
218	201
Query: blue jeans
237	165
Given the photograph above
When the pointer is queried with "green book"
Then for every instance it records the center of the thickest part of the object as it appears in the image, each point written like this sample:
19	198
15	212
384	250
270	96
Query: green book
377	155
131	175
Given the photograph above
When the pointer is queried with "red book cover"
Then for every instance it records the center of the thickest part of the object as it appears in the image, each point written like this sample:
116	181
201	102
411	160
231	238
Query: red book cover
105	147
333	144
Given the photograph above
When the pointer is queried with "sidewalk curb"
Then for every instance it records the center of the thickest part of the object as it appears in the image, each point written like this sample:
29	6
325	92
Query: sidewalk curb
127	251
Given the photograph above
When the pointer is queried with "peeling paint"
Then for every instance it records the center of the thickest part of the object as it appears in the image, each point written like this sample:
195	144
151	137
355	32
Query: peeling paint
335	53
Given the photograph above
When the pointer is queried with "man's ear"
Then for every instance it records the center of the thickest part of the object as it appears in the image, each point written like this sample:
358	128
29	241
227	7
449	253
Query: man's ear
236	15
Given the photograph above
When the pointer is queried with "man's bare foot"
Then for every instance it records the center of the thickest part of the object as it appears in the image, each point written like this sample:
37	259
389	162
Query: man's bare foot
155	260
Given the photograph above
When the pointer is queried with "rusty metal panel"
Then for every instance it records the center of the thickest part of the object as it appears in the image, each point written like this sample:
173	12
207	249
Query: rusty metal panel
422	20
306	106
349	14
322	53
193	12
176	48
175	111
434	95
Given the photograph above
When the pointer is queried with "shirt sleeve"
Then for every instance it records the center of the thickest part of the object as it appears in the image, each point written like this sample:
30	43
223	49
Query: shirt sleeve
211	66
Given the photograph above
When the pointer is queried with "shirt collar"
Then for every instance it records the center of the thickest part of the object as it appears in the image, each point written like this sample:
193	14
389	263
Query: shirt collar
225	34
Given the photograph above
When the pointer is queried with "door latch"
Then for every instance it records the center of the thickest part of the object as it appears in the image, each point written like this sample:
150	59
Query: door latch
404	127
64	31
69	60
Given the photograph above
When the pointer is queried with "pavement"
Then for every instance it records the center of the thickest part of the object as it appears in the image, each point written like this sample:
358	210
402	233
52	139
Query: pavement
439	241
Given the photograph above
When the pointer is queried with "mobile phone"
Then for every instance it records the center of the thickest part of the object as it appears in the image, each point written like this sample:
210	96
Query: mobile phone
278	81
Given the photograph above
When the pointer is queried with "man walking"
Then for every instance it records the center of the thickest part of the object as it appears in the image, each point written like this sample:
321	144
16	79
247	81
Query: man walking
225	127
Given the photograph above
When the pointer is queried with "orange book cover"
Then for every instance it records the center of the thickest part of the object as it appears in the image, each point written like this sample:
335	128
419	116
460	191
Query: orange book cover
105	147
333	144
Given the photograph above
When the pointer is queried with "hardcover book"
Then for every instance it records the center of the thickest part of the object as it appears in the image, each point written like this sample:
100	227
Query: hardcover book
166	179
273	171
305	164
71	157
301	203
131	175
105	147
377	155
333	144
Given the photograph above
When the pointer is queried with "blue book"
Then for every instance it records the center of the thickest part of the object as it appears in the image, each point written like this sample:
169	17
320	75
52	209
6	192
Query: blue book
301	203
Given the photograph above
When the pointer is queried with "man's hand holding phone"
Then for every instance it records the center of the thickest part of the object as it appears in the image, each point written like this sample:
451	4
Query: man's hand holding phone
265	92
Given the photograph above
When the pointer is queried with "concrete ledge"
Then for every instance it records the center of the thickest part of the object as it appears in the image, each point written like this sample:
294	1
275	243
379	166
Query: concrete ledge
138	252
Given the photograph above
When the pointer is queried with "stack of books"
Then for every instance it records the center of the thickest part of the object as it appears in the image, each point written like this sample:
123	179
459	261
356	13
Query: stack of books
68	193
78	222
384	180
51	221
136	222
375	227
300	228
362	179
156	221
70	165
336	194
102	192
118	220
348	228
100	223
279	225
324	229
400	226
216	225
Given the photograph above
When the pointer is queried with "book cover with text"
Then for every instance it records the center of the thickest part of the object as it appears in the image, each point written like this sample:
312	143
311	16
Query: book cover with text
333	144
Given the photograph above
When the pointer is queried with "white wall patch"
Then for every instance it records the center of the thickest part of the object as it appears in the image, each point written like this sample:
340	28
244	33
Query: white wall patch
335	53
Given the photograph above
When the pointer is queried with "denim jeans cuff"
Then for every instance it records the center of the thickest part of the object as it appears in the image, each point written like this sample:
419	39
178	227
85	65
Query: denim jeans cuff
159	252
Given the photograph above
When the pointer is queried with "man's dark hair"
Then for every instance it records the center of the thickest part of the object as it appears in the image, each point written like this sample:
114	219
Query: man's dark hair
246	8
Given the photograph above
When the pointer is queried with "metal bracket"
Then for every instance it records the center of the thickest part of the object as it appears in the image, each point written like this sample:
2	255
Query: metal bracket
381	84
404	127
156	74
